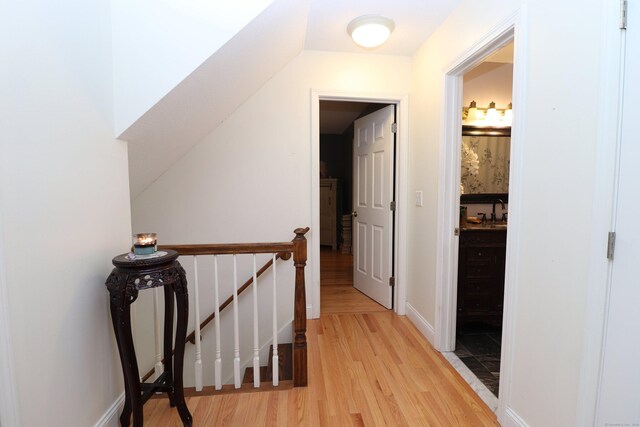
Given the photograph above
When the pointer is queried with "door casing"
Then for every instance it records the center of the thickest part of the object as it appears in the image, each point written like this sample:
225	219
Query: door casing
401	102
511	29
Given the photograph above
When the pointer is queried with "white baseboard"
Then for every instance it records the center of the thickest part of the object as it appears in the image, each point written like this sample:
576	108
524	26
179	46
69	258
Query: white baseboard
421	323
110	418
309	311
512	419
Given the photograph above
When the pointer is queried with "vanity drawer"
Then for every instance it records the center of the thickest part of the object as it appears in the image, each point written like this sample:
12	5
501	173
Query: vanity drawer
483	237
479	270
479	254
475	304
473	288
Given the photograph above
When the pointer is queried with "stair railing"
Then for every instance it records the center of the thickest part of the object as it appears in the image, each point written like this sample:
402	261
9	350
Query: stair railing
280	250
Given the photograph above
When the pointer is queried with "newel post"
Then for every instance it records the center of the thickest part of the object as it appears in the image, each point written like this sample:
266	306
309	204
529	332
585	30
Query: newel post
300	310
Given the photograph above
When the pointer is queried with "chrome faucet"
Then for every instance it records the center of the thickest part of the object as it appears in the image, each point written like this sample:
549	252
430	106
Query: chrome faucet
493	209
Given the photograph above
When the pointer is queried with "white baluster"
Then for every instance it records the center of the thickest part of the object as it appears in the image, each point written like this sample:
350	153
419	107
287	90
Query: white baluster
158	367
274	360
216	320
236	332
256	340
198	362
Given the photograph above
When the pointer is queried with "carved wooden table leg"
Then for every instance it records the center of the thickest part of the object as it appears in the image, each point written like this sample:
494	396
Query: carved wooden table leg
116	319
182	298
121	299
129	277
168	337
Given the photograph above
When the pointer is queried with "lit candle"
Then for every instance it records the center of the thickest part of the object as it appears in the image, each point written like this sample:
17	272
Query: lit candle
144	243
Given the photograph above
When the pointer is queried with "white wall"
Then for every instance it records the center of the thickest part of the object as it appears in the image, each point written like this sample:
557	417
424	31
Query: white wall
489	81
159	43
249	180
64	207
559	142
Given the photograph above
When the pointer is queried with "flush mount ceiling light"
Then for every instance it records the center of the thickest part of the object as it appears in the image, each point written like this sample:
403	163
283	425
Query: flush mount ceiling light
370	30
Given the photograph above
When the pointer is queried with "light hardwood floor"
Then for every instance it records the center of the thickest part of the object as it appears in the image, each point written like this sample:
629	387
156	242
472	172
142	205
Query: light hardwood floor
337	294
366	368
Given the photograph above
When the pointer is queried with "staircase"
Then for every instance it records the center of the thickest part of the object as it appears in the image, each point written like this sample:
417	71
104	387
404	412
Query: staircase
285	367
291	358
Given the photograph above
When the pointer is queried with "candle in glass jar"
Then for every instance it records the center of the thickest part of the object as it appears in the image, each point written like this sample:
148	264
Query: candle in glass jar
144	243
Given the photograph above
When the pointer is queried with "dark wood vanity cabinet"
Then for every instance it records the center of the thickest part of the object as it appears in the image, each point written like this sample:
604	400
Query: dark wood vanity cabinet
481	276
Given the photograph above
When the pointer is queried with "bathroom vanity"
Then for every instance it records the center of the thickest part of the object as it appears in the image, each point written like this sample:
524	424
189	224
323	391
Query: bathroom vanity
481	266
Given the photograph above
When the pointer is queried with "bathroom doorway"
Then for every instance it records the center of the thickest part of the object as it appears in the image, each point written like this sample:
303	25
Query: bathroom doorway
449	211
483	224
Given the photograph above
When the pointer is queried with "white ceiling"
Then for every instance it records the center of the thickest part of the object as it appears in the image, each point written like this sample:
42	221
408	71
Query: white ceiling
202	101
504	55
414	21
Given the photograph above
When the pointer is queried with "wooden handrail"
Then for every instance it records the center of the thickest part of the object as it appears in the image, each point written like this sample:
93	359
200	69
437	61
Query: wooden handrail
284	251
230	248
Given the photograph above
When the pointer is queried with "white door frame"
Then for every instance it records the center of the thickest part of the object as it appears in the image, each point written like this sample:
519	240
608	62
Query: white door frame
400	221
611	93
512	29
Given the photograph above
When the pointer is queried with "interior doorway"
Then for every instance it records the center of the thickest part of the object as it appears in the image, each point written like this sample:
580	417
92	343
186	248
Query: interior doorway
357	152
483	225
397	177
508	32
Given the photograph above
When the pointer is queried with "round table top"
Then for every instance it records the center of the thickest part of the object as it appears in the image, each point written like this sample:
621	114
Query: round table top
129	260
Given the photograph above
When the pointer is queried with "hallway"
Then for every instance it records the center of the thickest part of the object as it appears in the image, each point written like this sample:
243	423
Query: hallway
337	294
367	366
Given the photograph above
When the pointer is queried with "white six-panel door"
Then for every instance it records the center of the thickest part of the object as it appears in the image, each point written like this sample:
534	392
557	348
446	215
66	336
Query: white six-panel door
373	159
619	393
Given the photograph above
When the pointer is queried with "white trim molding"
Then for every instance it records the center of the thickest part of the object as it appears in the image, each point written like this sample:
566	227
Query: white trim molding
421	324
513	28
512	419
401	101
448	194
599	283
111	417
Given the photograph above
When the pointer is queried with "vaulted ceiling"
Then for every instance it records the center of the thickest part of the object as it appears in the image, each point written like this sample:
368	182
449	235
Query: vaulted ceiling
215	89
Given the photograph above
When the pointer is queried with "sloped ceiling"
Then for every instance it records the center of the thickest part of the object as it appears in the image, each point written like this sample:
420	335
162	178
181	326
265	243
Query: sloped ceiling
203	100
213	91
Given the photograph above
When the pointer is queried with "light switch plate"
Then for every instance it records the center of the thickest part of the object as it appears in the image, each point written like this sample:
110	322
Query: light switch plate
419	198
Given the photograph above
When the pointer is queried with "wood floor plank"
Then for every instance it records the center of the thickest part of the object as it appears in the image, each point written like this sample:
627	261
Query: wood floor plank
367	367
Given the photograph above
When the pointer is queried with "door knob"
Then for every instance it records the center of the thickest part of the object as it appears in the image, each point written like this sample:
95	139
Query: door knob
354	213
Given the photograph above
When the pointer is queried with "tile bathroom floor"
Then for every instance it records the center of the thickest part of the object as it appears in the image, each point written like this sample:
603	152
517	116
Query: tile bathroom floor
478	347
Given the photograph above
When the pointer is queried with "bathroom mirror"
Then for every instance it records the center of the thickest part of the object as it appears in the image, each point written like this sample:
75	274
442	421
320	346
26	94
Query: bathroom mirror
485	164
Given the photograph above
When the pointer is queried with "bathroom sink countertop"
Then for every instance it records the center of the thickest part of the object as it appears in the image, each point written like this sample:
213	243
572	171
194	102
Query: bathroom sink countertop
489	226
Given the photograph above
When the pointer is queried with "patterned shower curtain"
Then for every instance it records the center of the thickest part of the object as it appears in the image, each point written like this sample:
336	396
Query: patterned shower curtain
485	164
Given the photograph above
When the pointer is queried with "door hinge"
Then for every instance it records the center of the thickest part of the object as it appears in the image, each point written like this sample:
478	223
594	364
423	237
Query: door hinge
623	14
611	245
456	231
392	206
392	281
394	127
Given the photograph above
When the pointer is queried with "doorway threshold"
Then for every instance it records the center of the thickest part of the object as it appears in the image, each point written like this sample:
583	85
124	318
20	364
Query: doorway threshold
476	385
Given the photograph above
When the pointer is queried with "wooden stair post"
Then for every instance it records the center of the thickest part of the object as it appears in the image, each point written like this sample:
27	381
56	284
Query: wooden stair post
300	310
